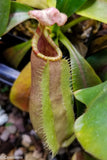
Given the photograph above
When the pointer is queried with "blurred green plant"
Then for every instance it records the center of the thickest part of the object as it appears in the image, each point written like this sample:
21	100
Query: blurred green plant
4	15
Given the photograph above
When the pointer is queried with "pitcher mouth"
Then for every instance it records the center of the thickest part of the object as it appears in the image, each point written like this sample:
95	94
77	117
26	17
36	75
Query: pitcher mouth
44	47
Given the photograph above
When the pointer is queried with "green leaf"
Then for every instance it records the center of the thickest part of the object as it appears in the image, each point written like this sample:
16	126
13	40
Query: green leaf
41	4
15	54
51	3
69	6
91	127
83	75
95	9
19	13
4	15
99	62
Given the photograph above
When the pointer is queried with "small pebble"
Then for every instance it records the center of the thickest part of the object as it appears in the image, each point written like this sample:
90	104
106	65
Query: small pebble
29	156
37	154
17	121
3	156
32	132
12	129
5	135
18	153
26	140
3	117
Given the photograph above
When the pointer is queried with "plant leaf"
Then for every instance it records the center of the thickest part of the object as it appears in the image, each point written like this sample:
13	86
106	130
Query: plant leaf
95	9
18	14
91	127
15	54
83	75
20	91
4	15
51	3
41	4
99	62
69	6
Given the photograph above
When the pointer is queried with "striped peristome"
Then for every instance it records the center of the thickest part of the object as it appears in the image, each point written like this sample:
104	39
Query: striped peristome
51	101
